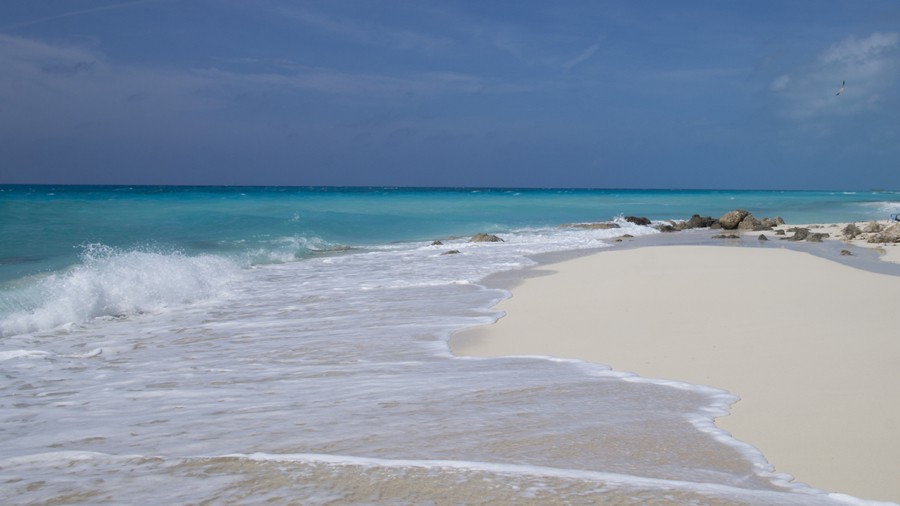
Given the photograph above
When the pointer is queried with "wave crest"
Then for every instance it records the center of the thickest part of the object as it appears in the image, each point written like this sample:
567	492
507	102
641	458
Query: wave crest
112	283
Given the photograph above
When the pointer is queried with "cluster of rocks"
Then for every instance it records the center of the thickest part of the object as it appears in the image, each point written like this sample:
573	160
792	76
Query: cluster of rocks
873	232
803	234
738	219
480	237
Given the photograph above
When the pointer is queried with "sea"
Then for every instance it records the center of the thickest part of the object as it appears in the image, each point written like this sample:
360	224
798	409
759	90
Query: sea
289	345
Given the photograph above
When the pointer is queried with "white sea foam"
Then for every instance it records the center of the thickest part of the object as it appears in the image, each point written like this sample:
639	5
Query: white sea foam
114	283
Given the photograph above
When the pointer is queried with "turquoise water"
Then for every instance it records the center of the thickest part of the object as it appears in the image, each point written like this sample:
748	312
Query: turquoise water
219	345
46	228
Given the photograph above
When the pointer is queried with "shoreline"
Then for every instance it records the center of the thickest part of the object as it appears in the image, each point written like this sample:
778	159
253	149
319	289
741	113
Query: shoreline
808	347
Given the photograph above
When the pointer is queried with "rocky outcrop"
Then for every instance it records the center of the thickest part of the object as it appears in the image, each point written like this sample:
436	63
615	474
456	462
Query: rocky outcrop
726	236
749	223
732	219
597	226
437	243
873	228
799	234
482	237
626	235
696	221
666	228
451	252
817	237
890	234
638	220
851	231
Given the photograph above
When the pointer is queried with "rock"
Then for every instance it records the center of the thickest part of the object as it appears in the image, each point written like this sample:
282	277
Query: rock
779	232
597	226
618	240
768	222
482	237
815	226
845	253
452	237
626	235
696	221
437	243
637	220
799	234
715	225
762	237
890	234
873	227
778	220
341	248
666	228
451	252
851	231
816	237
726	236
730	220
748	223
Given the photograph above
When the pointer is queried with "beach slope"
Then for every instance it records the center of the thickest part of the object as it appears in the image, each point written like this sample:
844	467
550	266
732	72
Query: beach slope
811	346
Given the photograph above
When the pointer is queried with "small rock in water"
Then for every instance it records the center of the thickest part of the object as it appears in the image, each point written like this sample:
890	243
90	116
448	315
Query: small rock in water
451	252
726	236
666	228
618	240
779	232
597	226
762	237
637	220
437	243
626	235
482	237
845	252
816	237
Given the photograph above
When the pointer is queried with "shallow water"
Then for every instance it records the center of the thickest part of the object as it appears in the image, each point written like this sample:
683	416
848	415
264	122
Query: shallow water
137	375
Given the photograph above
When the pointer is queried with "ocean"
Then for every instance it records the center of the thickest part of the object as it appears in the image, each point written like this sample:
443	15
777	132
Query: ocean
271	345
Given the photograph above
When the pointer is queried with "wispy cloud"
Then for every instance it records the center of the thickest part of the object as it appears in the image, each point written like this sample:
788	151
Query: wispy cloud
870	66
587	53
77	13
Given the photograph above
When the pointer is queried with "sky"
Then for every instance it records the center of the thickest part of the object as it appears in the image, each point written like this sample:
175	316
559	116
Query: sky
715	94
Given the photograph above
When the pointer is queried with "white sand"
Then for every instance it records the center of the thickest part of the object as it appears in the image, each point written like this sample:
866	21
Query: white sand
811	346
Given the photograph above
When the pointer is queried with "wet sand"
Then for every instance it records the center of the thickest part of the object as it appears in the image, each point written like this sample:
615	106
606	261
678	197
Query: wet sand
809	344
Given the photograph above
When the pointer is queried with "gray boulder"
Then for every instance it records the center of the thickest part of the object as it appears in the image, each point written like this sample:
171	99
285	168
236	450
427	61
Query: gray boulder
816	237
482	237
732	219
696	221
748	223
437	243
762	237
666	228
873	227
851	231
890	234
768	222
778	220
845	253
715	225
779	232
637	220
800	234
451	252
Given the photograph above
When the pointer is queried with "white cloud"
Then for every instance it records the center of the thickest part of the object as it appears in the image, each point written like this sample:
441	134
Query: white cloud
870	67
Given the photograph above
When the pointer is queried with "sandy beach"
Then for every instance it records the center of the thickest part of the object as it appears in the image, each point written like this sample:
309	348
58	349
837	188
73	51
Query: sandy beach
809	345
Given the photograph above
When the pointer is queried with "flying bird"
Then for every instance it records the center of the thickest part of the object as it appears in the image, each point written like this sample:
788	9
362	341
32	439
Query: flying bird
842	87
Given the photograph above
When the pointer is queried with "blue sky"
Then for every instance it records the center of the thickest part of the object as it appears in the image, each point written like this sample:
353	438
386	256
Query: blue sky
606	94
